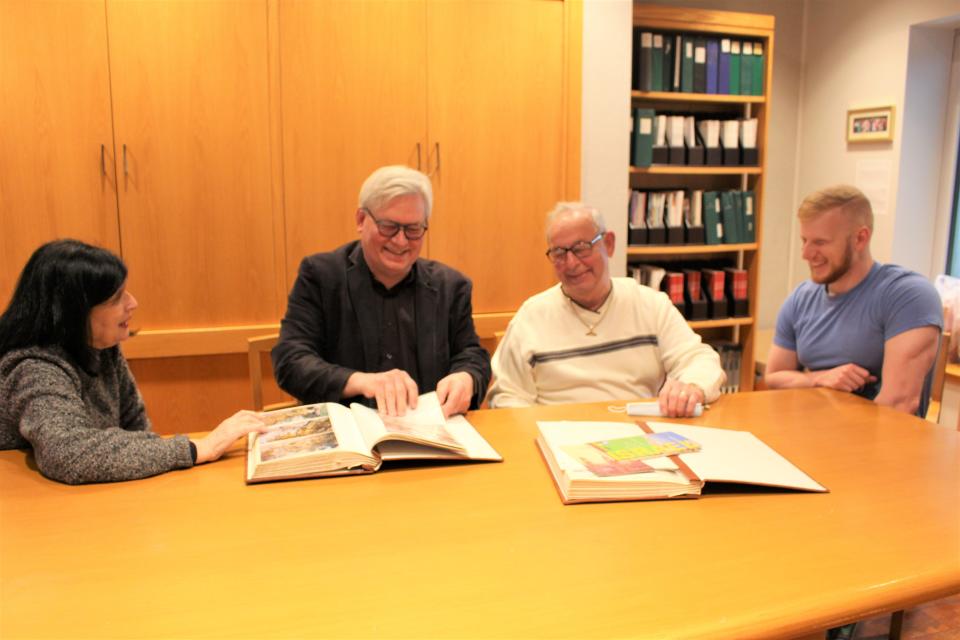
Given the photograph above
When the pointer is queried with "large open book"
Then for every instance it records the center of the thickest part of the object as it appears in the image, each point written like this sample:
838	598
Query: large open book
328	439
724	455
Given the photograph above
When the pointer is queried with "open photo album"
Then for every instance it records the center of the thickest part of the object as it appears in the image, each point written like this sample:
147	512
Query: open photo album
329	439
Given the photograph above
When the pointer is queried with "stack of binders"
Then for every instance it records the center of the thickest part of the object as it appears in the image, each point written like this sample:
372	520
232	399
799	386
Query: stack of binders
697	63
681	139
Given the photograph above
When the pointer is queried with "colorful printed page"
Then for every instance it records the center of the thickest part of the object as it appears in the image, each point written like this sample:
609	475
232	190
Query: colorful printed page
639	447
602	465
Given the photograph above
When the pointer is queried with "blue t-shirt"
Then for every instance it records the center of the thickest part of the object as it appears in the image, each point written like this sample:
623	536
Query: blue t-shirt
827	331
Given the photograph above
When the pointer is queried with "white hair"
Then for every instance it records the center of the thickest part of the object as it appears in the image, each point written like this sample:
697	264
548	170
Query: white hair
569	208
393	181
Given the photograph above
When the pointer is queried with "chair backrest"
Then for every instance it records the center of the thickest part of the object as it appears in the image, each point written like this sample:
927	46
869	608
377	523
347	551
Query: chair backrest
939	377
256	347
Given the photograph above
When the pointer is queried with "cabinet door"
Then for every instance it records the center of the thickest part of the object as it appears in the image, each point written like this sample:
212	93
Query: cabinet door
496	100
353	80
54	117
191	108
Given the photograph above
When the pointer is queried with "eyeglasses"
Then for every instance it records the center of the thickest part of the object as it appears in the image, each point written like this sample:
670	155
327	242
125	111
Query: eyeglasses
580	249
389	228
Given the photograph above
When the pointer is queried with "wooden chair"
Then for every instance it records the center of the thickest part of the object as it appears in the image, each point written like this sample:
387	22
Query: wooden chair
939	378
256	347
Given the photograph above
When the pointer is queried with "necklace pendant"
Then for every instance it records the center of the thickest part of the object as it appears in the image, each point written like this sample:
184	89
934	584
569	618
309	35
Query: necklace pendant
590	332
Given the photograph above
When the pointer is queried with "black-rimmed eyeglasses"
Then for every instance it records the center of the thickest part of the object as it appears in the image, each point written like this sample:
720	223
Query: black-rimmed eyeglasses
580	249
389	228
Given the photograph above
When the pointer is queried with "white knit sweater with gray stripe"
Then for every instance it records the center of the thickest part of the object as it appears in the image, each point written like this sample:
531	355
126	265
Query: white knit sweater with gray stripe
82	427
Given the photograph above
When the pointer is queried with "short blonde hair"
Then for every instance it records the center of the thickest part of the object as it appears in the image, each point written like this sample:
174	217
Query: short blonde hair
393	181
852	204
563	208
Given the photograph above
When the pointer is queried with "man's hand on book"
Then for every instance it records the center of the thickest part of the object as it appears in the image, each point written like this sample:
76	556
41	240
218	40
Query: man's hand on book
679	399
394	390
212	446
454	393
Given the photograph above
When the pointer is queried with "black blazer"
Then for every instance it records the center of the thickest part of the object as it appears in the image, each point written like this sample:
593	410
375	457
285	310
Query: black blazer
326	336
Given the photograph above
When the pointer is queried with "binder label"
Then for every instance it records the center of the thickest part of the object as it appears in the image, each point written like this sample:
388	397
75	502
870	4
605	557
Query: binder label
646	126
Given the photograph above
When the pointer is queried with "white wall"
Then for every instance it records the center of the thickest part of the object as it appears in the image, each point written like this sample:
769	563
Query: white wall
605	144
857	55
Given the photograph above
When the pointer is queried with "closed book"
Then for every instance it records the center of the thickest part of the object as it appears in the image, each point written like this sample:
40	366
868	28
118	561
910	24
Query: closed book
712	222
646	61
736	291
656	63
635	67
734	67
675	85
692	285
758	69
668	61
686	71
713	61
713	284
713	288
642	137
672	285
746	69
699	65
723	68
749	217
730	217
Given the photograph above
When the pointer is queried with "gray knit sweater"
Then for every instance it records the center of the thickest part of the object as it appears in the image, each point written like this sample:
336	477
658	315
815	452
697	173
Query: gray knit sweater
82	427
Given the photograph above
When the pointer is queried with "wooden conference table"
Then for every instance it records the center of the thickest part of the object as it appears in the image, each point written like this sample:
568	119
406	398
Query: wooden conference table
488	550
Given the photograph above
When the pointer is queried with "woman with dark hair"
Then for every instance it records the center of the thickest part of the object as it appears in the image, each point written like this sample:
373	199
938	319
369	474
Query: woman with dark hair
65	388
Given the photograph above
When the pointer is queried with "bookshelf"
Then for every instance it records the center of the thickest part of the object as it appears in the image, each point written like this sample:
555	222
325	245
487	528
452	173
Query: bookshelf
744	255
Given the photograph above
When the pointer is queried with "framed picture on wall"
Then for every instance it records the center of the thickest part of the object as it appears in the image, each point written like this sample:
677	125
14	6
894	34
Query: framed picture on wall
874	124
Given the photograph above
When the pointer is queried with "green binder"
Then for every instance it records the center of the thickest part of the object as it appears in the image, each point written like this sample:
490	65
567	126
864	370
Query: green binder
729	217
735	67
757	68
712	226
656	82
746	69
642	137
749	216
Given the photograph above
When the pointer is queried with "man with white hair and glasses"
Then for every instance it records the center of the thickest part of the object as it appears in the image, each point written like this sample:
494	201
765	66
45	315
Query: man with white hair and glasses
373	322
592	337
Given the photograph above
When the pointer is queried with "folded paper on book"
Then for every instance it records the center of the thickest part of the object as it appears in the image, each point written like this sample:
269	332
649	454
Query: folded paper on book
725	456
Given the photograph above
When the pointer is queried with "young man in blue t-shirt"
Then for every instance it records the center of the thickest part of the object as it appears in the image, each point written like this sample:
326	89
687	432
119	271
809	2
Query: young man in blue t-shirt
857	326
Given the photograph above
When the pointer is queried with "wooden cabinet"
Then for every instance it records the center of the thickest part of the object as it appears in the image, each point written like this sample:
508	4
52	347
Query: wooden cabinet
192	123
497	137
57	176
472	93
754	27
353	89
236	135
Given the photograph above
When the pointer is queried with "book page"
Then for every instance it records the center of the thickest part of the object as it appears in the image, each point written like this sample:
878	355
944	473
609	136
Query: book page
307	430
423	425
737	456
561	434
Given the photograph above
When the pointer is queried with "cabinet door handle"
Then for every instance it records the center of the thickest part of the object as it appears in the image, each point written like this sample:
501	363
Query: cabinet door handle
124	159
418	157
437	147
103	166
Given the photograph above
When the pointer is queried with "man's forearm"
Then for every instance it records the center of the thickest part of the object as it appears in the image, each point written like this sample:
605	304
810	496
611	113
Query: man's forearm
901	401
790	380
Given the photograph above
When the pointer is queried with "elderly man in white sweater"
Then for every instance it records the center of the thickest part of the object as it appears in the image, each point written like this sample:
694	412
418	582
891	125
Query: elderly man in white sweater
592	337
